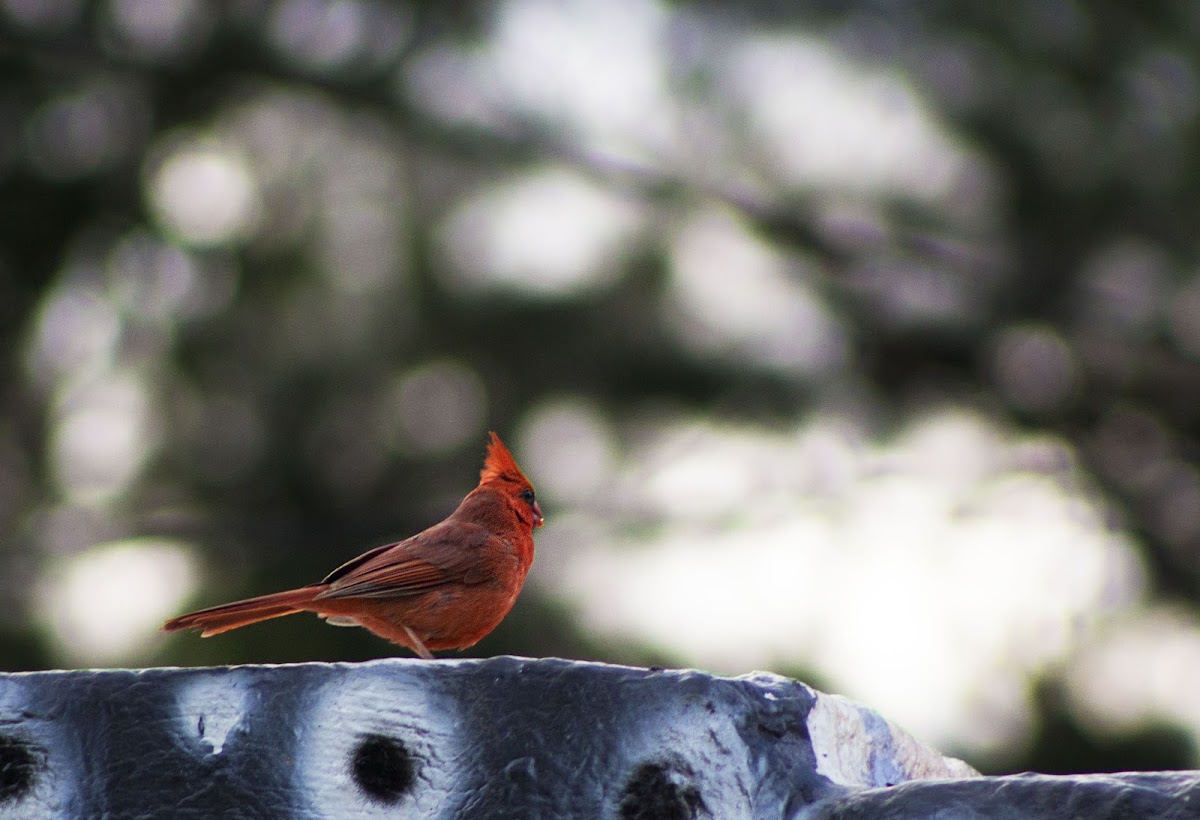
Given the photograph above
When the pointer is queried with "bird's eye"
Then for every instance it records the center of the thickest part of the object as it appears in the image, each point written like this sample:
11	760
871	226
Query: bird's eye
526	495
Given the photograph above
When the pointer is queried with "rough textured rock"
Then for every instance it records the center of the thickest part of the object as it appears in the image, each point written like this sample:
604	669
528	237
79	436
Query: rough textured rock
505	737
1129	796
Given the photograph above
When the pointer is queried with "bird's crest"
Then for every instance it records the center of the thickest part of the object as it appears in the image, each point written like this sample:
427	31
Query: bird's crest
499	463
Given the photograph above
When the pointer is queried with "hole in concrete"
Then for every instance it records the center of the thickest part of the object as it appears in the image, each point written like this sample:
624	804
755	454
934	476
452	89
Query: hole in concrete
19	764
661	791
383	768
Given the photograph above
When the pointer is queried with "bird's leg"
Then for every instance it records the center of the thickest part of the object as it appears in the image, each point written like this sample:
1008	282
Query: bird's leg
418	645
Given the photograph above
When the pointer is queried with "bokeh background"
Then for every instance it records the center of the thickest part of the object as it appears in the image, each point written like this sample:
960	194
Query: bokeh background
854	341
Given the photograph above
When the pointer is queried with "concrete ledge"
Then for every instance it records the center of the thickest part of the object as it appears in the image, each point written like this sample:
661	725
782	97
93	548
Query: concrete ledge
505	737
1141	795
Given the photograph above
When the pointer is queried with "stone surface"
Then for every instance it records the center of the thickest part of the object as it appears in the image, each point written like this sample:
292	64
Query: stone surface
502	738
1128	796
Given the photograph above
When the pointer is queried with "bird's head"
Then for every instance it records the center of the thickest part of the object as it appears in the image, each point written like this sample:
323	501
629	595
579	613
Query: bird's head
500	470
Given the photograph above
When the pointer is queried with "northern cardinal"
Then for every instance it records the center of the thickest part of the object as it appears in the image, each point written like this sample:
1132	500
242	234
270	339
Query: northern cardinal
444	588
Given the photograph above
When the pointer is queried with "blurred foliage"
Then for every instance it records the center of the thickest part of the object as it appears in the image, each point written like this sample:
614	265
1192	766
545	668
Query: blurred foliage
279	352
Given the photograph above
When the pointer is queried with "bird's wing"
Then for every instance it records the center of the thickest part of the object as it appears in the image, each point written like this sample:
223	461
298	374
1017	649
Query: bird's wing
354	563
437	557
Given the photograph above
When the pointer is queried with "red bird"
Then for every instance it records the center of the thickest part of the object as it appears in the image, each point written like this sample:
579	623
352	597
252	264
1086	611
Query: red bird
444	588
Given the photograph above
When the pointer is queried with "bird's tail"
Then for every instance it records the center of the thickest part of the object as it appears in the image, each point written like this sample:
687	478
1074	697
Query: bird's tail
218	619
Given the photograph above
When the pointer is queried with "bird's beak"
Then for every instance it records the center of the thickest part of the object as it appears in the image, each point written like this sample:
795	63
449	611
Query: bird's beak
538	518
